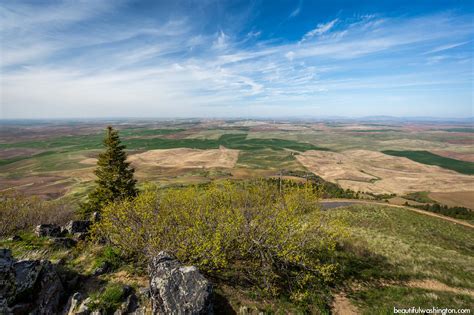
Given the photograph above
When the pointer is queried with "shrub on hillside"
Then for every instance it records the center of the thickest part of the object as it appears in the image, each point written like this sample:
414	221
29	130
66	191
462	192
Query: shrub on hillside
280	238
19	212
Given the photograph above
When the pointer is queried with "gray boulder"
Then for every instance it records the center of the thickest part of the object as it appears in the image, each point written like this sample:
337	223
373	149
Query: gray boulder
95	217
73	304
74	227
15	238
30	286
104	268
177	289
129	306
48	230
7	280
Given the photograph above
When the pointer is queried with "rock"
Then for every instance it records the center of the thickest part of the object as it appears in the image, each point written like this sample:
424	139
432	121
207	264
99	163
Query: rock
145	292
175	289
244	310
104	268
95	217
26	273
7	280
74	227
28	286
80	236
50	289
65	242
15	238
129	306
73	304
49	230
84	307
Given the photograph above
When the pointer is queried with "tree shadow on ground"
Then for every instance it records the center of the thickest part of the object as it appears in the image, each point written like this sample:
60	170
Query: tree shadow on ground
358	264
222	305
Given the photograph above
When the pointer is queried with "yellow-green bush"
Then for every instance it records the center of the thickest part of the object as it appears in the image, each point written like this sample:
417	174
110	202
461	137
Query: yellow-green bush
280	238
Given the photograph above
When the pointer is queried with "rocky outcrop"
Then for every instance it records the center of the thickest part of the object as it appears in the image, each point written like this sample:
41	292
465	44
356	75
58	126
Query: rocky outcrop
48	230
177	289
74	227
7	278
28	286
78	228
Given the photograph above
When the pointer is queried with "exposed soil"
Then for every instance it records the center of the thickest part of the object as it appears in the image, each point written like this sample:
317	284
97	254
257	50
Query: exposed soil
469	157
187	158
17	152
342	305
370	171
456	198
47	187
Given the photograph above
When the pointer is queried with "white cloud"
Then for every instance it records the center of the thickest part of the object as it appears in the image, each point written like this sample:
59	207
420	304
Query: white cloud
446	47
221	41
173	68
290	55
295	12
320	30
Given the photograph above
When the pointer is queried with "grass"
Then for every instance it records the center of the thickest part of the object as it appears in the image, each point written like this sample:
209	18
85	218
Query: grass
140	132
386	247
398	244
233	141
109	299
459	130
429	158
382	300
419	196
20	158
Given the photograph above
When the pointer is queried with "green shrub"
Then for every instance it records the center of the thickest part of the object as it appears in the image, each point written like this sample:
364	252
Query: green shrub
109	255
280	238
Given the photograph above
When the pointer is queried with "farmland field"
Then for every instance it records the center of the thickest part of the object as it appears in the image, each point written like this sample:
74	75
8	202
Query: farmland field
429	158
391	253
56	158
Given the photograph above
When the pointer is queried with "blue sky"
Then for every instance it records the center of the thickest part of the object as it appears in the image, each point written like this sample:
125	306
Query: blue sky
119	58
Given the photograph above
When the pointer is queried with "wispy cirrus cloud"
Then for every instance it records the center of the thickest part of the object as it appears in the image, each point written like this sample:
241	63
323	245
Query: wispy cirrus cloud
81	59
321	29
296	11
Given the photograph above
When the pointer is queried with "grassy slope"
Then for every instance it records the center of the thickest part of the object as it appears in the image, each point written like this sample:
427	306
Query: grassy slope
429	158
395	244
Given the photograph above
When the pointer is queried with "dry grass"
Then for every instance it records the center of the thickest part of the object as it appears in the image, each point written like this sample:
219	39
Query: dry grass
457	198
463	156
371	171
181	158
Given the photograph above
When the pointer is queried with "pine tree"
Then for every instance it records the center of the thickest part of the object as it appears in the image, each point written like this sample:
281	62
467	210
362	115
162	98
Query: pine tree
114	175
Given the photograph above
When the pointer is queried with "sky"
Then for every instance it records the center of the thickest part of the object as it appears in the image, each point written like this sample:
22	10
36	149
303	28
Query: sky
203	58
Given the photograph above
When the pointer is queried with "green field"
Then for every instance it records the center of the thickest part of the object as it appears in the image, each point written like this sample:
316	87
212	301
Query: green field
459	130
232	141
429	158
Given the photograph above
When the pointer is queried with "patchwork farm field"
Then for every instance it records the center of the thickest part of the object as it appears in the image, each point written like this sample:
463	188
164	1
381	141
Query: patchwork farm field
402	193
56	159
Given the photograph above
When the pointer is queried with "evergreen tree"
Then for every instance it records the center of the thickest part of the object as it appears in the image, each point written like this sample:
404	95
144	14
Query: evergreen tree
114	175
